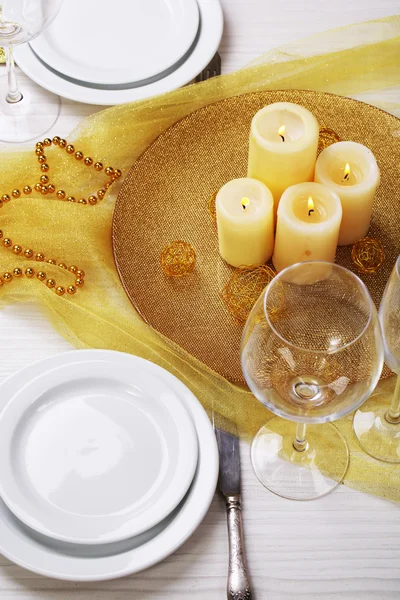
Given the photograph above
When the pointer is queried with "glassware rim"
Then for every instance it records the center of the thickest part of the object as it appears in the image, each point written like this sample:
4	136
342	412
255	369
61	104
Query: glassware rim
334	265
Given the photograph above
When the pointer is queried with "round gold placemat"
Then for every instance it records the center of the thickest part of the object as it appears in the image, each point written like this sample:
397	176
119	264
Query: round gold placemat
165	197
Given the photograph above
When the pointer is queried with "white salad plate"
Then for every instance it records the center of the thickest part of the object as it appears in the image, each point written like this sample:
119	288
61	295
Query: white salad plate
94	451
120	42
188	67
73	562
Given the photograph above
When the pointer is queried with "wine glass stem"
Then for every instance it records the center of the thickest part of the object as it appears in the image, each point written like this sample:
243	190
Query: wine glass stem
300	443
13	95
393	414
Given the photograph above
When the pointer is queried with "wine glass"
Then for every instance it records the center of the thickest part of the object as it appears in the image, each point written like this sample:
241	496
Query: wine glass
28	115
377	423
311	352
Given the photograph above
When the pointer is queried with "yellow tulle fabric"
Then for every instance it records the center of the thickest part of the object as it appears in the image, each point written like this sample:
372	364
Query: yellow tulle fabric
363	64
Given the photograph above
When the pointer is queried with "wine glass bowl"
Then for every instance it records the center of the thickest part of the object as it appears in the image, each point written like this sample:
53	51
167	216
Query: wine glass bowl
377	423
312	353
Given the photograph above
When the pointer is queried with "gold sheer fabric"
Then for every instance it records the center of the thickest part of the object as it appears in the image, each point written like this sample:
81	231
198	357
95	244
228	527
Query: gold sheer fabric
359	61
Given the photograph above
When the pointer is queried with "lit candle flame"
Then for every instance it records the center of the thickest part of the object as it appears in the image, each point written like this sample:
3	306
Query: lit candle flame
310	206
245	202
347	171
281	132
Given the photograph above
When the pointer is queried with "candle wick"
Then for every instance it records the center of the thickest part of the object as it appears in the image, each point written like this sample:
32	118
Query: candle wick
244	206
283	137
310	211
346	176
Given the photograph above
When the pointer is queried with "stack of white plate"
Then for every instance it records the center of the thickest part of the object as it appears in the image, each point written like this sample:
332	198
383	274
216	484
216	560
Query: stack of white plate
108	463
102	52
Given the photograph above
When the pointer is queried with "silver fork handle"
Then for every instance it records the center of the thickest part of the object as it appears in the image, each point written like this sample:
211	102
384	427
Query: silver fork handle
238	587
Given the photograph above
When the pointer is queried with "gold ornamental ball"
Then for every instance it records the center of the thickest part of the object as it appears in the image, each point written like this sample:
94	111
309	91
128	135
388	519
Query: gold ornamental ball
50	283
16	193
101	193
70	149
7	242
51	261
60	290
17	272
98	166
109	171
71	199
1	281
79	282
39	150
82	201
88	161
178	259
368	255
62	143
41	275
47	142
6	198
28	253
29	272
79	155
42	159
1	233
39	256
60	194
7	277
38	187
71	289
44	179
117	173
44	190
56	140
45	167
73	269
51	189
62	265
92	200
80	273
17	249
27	190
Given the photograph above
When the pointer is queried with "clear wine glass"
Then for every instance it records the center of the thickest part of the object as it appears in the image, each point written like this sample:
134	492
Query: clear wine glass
377	422
28	115
311	352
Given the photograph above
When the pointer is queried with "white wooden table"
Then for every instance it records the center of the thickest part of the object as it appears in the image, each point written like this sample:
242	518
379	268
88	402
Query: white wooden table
346	545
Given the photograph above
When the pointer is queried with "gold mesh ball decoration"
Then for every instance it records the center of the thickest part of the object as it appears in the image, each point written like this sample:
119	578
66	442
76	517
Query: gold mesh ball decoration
2	56
211	206
327	137
243	289
178	259
368	255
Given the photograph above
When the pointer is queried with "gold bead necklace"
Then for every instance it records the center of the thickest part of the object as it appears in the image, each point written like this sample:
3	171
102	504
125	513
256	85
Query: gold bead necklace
45	187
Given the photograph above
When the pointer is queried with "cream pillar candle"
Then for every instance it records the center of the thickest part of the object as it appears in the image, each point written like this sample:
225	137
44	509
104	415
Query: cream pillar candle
283	146
309	217
350	169
245	221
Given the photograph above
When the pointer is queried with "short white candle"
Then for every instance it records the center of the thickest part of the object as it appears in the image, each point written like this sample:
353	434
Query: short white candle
283	146
309	217
350	169
245	221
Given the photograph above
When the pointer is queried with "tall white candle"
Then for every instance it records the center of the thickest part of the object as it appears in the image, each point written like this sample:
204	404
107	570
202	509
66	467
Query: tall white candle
350	170
309	217
283	146
245	221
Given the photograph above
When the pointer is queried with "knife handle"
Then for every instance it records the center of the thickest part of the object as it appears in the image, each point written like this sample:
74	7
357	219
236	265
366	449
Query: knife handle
238	587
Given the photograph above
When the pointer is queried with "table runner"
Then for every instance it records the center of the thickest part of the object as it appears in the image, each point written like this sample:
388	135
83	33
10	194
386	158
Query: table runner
360	61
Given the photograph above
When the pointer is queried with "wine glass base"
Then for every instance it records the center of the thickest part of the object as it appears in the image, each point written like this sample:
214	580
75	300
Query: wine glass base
299	475
29	119
379	438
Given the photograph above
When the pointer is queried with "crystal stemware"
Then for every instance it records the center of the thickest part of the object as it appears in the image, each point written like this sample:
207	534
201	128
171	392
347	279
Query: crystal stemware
311	352
29	114
377	422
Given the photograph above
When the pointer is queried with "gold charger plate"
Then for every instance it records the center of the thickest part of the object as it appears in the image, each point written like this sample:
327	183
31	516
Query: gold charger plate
165	197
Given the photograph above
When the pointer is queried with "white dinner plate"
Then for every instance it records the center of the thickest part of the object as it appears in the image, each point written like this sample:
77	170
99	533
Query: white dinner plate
72	562
124	41
96	452
204	48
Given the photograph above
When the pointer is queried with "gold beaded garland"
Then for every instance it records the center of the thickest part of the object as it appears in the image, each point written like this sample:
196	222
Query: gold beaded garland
45	187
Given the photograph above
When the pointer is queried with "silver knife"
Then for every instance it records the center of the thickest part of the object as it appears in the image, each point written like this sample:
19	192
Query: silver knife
238	587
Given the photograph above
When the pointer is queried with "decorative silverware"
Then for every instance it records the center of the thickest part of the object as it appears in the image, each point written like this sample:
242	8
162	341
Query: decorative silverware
238	587
211	70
